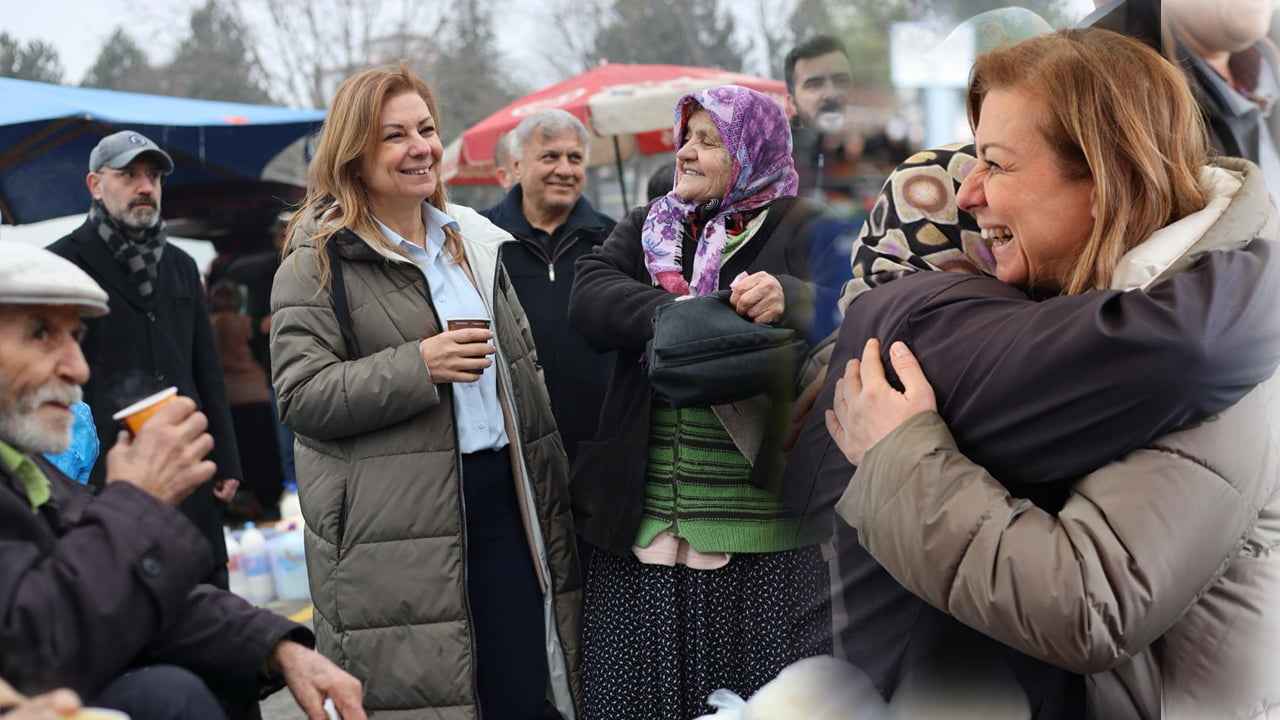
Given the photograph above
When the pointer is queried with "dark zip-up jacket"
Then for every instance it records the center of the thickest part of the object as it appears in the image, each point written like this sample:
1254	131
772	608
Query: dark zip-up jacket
613	304
542	275
91	586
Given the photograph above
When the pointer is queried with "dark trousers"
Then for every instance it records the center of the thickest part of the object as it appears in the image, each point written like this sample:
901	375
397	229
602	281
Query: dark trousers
502	588
256	441
284	441
160	692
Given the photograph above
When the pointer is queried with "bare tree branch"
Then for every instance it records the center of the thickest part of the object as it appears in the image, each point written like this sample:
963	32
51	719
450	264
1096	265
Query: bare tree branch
575	24
776	37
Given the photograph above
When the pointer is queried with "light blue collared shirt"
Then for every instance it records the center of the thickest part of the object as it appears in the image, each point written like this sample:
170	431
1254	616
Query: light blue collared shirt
476	410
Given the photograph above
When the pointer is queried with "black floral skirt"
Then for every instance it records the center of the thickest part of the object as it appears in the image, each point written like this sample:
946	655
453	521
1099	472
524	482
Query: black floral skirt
658	640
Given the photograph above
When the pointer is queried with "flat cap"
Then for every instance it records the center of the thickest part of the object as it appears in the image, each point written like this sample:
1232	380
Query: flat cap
119	149
34	276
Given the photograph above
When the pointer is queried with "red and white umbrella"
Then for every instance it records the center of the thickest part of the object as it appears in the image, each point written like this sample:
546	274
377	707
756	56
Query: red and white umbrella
627	108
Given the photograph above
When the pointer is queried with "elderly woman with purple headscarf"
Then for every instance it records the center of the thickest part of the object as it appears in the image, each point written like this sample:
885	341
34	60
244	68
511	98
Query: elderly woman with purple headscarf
700	579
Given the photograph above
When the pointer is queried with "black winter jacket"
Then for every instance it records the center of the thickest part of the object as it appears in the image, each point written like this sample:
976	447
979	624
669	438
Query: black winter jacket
612	306
146	345
1112	370
576	375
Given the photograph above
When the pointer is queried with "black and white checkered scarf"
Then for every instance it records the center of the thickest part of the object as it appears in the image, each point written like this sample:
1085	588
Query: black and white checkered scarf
139	256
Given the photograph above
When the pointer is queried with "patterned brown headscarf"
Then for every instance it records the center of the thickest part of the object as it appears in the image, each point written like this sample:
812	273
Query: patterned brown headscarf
916	225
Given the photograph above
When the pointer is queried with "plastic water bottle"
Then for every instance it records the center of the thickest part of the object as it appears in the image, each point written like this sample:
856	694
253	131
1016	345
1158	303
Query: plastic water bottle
290	509
235	565
289	563
256	560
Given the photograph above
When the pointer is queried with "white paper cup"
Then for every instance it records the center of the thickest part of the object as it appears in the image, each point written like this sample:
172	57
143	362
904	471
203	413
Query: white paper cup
138	413
92	713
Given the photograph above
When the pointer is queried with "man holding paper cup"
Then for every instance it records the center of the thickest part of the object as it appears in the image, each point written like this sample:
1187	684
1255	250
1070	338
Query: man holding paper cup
100	594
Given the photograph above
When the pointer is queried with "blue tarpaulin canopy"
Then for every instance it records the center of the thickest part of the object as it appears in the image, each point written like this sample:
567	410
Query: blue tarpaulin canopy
47	132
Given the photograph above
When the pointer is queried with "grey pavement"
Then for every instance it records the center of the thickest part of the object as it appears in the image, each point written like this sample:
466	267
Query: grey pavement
281	706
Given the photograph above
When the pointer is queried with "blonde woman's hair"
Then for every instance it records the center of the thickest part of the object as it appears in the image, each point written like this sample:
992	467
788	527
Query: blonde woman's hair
336	197
1116	112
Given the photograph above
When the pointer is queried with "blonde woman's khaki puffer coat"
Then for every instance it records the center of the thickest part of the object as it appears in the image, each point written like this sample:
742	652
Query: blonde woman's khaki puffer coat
378	481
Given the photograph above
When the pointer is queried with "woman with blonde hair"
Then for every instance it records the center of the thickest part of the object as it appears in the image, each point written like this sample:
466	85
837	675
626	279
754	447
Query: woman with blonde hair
1156	280
432	480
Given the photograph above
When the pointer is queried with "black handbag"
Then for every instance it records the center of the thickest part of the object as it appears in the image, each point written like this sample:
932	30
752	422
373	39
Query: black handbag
704	353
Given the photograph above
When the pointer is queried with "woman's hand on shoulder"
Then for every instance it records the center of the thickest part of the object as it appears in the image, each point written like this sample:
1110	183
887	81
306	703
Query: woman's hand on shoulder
457	355
867	407
758	296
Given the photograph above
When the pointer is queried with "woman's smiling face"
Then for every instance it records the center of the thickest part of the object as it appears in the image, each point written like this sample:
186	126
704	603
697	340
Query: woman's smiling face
1036	219
703	163
404	166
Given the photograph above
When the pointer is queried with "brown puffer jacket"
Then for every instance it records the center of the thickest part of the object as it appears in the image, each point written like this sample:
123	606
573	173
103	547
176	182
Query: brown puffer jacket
1158	579
377	466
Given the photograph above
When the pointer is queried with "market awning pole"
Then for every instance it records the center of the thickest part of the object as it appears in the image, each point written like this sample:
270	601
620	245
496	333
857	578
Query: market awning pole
622	182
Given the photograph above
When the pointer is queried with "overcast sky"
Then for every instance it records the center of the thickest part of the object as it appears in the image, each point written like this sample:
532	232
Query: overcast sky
77	28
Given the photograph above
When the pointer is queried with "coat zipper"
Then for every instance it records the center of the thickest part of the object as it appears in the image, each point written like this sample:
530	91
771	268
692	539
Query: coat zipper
515	422
564	244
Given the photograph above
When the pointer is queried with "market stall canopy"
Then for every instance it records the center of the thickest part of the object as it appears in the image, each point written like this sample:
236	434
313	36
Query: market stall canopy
47	132
627	108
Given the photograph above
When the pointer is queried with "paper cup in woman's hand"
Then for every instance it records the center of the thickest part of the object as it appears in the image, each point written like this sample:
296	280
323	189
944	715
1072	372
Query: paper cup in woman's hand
468	323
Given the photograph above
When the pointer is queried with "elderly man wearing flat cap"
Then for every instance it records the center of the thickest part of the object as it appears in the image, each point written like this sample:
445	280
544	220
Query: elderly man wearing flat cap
100	594
158	333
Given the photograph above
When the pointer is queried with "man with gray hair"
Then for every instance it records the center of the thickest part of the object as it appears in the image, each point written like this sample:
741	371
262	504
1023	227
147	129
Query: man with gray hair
101	593
553	225
158	334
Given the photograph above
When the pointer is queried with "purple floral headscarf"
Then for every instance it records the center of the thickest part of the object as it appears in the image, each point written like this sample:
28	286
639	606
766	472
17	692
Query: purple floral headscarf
755	133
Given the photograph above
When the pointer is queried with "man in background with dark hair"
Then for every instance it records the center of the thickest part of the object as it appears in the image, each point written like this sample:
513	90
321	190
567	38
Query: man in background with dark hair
830	154
819	79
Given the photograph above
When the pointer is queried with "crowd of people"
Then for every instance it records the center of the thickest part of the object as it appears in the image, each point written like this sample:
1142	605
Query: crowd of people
1033	473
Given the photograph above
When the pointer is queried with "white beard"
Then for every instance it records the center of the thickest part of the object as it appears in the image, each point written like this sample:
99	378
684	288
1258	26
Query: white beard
21	425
